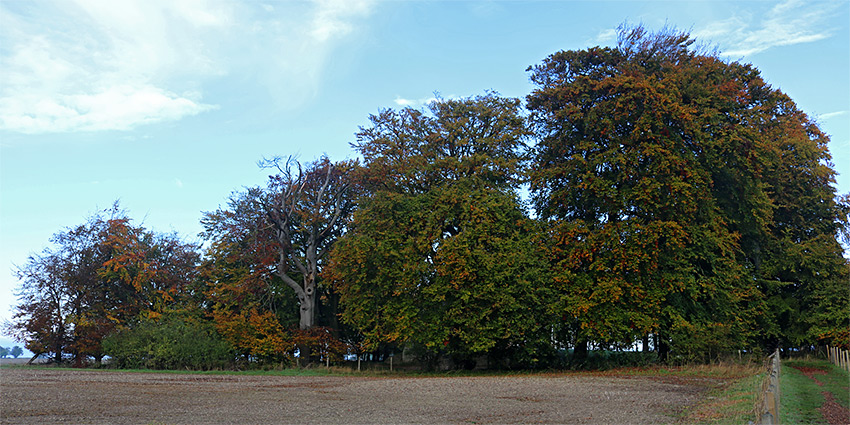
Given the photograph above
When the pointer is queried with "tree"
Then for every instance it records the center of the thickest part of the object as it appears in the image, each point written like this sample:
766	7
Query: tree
46	304
174	340
673	185
440	252
250	305
640	244
307	210
16	351
279	236
99	276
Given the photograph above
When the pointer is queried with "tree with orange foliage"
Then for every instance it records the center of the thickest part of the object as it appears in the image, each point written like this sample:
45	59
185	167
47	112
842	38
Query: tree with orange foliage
268	248
101	275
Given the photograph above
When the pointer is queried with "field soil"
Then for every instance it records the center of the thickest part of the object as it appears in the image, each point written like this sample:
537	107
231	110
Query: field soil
45	396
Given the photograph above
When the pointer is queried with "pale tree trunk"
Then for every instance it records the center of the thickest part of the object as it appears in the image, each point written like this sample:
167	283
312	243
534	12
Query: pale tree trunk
306	217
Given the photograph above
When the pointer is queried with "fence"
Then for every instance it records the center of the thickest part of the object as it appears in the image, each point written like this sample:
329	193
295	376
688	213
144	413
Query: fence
767	404
839	357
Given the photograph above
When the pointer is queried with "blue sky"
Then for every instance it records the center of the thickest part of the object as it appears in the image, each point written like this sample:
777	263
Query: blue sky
168	105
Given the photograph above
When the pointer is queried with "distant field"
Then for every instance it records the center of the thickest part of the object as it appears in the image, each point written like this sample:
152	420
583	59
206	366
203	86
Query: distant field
18	361
44	395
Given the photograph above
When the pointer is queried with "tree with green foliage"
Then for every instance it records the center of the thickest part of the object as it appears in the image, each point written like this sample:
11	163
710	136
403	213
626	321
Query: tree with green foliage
174	340
440	252
671	181
16	351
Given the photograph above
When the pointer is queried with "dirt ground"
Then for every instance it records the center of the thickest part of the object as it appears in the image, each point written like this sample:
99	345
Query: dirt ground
45	396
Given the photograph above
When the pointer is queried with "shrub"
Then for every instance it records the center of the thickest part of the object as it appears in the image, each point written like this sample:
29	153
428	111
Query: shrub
171	342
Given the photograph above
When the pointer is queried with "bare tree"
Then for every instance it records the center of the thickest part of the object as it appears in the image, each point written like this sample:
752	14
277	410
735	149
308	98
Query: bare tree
307	208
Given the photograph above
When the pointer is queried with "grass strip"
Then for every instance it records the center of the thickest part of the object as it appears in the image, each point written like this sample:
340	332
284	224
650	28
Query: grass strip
802	384
732	402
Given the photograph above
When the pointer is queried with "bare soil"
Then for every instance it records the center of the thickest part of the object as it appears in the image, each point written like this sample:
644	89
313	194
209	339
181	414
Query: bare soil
834	413
45	396
810	372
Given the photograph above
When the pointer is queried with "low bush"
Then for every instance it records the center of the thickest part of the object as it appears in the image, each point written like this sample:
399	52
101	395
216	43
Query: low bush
170	342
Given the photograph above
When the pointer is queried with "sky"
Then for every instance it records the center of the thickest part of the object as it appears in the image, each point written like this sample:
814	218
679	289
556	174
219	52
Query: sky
168	105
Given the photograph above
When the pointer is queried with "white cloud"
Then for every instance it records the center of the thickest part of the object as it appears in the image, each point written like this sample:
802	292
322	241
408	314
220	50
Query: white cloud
116	108
101	65
331	18
92	65
296	44
833	115
787	23
415	103
605	37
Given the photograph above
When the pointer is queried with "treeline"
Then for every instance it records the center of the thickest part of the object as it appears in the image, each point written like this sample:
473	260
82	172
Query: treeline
677	202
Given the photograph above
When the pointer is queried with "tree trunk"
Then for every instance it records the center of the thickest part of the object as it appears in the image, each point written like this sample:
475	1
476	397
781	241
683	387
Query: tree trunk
663	347
308	309
580	351
57	345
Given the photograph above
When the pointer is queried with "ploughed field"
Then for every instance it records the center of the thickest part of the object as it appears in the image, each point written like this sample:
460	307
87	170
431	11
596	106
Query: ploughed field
43	396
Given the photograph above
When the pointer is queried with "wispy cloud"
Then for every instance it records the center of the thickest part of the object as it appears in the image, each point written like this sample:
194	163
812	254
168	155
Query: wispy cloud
423	101
413	103
833	115
101	65
91	65
787	23
296	41
605	37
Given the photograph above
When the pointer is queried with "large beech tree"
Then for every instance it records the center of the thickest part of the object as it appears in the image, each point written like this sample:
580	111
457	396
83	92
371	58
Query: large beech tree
440	252
665	175
637	239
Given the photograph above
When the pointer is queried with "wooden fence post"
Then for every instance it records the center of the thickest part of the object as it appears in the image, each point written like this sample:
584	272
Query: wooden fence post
769	412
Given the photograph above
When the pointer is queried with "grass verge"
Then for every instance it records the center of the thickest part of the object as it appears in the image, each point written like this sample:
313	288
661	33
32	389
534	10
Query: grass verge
802	384
733	398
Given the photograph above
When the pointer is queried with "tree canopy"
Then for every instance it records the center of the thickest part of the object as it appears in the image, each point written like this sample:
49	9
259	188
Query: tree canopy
100	276
440	252
674	199
665	176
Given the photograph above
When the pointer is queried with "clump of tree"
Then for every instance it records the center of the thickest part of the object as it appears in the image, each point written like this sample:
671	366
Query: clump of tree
13	351
678	201
171	341
99	277
685	198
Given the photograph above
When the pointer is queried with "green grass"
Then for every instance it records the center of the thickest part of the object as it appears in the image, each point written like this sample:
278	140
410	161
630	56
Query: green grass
733	403
801	397
733	390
